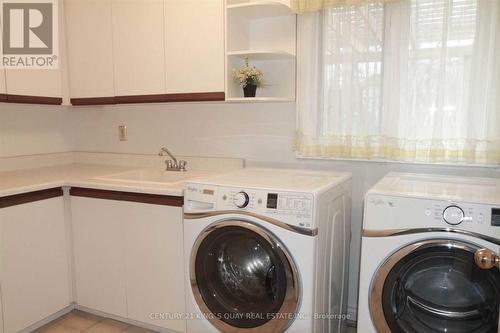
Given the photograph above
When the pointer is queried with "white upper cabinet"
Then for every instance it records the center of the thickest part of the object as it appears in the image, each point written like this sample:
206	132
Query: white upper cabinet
129	49
38	82
194	39
34	82
139	50
90	48
3	88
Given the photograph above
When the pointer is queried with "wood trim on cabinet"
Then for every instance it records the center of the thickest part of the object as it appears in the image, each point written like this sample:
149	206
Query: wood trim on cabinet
19	199
129	99
27	99
154	98
196	97
154	199
93	101
3	97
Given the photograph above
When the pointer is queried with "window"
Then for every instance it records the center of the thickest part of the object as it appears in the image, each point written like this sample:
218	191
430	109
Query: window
409	80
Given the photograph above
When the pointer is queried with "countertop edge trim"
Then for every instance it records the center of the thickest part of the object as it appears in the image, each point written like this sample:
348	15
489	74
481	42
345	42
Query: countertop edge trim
154	199
150	98
31	99
27	197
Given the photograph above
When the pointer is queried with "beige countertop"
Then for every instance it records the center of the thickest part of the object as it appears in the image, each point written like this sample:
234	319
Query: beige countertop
83	175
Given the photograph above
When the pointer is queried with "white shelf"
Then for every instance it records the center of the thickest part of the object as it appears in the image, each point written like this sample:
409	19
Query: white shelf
260	9
264	31
259	99
261	54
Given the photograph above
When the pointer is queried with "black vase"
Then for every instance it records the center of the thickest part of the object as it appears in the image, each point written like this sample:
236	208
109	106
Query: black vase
249	90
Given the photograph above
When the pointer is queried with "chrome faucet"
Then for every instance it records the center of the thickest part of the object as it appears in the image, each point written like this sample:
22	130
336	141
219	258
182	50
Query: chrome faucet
173	164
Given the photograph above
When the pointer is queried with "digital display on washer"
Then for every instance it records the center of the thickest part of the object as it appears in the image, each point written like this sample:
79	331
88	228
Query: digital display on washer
272	200
495	217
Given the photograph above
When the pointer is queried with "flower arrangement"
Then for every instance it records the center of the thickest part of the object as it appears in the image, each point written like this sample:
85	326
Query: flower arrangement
249	79
248	76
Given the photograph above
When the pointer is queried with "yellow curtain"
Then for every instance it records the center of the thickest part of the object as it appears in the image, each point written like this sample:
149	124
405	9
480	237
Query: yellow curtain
309	6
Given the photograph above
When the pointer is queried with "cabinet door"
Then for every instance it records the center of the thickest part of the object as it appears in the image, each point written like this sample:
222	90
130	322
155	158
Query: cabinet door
34	262
90	48
98	240
138	42
38	82
3	87
34	82
194	45
155	266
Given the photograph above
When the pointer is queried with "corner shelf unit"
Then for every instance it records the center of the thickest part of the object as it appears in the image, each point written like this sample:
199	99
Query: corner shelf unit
258	9
261	54
259	100
264	32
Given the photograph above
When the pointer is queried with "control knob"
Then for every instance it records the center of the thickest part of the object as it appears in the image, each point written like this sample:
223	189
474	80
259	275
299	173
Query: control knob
241	199
453	215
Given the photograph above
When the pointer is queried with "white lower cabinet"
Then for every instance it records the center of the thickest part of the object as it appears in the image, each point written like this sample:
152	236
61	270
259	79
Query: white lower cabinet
129	259
154	263
99	253
35	281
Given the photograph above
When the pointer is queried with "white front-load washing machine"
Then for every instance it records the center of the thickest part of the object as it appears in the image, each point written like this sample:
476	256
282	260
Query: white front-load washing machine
266	250
429	258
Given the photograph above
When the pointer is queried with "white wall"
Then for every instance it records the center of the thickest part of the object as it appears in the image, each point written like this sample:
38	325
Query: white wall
256	132
261	133
28	129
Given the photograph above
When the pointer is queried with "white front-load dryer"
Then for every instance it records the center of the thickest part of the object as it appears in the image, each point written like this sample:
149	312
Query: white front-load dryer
429	257
256	257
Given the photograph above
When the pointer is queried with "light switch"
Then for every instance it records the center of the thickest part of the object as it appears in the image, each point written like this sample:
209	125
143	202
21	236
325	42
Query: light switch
122	132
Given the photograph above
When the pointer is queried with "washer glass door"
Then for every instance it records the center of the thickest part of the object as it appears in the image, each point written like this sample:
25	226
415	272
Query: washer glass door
244	278
436	286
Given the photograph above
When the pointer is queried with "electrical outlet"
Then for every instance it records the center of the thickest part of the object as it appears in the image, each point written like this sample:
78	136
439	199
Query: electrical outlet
122	133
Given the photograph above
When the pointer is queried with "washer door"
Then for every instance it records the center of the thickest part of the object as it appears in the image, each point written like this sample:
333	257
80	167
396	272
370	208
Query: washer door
435	286
243	278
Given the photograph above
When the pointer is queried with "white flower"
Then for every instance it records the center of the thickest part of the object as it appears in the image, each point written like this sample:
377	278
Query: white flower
248	75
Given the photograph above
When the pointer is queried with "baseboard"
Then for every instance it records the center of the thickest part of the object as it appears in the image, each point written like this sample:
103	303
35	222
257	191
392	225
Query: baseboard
50	318
125	320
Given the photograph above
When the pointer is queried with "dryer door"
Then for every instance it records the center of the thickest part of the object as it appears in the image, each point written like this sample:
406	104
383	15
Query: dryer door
435	286
244	279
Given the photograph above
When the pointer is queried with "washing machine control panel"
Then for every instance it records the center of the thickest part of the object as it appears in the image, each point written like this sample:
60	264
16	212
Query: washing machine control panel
289	207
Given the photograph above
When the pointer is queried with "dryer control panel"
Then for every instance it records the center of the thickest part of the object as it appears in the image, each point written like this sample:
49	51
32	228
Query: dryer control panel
392	212
495	217
293	208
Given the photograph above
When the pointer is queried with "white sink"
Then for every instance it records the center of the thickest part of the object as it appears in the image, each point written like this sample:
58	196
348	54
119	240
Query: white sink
153	176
